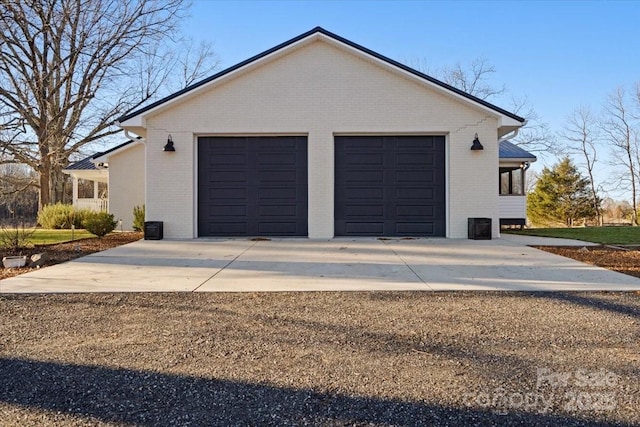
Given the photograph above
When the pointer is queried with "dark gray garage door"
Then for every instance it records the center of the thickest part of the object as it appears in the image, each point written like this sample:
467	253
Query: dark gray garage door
390	186
252	186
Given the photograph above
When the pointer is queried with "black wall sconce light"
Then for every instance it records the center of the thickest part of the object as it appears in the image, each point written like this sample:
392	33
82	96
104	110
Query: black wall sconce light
169	145
476	144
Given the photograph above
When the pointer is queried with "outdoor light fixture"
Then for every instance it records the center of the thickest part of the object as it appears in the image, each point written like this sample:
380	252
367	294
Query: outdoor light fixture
476	144
169	145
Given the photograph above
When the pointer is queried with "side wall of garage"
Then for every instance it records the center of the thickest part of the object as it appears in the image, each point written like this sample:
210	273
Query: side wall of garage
126	184
320	90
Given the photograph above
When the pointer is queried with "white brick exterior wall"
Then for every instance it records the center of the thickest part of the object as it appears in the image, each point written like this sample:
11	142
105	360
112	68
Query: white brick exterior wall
321	89
126	184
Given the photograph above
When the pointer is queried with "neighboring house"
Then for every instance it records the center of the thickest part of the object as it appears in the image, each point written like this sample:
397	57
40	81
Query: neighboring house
514	162
320	137
122	167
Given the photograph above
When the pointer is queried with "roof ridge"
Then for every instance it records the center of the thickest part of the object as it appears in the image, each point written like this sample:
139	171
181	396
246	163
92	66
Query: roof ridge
338	38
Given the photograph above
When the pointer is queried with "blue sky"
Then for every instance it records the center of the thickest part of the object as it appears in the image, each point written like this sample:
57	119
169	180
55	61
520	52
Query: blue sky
557	54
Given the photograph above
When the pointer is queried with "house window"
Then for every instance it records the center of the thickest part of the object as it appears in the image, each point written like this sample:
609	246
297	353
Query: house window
511	181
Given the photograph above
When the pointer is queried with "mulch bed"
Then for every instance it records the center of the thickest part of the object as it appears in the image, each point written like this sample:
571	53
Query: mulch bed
63	252
620	260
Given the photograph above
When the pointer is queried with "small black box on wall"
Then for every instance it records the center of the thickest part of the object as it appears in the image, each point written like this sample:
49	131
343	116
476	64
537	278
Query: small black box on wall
479	228
153	230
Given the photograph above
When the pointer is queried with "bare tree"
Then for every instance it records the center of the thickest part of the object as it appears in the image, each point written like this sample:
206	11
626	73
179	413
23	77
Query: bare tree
581	136
536	135
472	79
69	68
618	129
18	197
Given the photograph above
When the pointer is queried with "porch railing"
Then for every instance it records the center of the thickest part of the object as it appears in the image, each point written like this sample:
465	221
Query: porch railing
96	205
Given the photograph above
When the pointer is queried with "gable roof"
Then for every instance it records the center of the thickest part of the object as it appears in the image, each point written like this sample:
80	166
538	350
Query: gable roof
89	163
335	38
116	148
84	164
510	151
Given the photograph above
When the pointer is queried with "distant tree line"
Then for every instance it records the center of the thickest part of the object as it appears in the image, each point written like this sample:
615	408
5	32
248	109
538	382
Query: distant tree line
613	133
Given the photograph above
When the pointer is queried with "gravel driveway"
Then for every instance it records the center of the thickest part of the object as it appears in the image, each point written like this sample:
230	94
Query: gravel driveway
371	358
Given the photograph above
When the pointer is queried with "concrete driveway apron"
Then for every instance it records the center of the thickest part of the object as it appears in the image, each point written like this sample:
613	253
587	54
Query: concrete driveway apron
341	264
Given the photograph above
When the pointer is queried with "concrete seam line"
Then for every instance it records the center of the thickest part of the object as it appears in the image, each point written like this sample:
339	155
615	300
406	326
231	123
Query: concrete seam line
225	266
406	265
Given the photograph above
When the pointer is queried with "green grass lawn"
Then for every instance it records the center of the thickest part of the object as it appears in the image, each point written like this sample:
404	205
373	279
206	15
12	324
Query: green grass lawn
47	237
602	235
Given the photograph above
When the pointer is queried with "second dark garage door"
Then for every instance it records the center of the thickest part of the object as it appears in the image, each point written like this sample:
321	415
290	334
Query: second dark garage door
252	186
390	186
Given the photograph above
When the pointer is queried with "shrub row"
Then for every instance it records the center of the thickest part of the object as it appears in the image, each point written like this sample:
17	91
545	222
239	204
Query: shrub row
61	216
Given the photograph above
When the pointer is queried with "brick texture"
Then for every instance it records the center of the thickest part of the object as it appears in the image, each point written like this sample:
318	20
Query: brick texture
321	89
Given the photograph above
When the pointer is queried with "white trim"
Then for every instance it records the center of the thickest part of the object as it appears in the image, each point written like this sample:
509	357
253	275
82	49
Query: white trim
196	172
447	185
517	161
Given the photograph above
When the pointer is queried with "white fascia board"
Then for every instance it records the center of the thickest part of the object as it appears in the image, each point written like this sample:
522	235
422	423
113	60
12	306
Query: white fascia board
89	174
513	162
506	121
136	121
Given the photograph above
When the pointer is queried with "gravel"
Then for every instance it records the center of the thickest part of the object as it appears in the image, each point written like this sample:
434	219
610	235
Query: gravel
334	359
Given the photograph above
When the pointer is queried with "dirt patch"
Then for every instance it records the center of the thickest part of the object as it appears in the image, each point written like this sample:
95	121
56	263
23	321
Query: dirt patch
321	359
63	252
620	260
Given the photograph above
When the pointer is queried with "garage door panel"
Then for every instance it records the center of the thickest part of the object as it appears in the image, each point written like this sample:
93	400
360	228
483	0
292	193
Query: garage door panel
364	228
415	143
414	228
227	176
277	159
421	211
278	211
227	160
229	193
227	211
417	177
221	228
271	193
390	185
252	186
281	144
365	159
365	194
275	176
362	144
364	210
414	159
364	177
418	194
277	228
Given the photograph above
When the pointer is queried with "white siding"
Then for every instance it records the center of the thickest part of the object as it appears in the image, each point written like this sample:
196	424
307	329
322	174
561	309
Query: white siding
320	90
513	206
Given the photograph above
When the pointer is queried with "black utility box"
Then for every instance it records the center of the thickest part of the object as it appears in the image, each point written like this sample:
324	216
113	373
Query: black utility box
153	230
479	228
